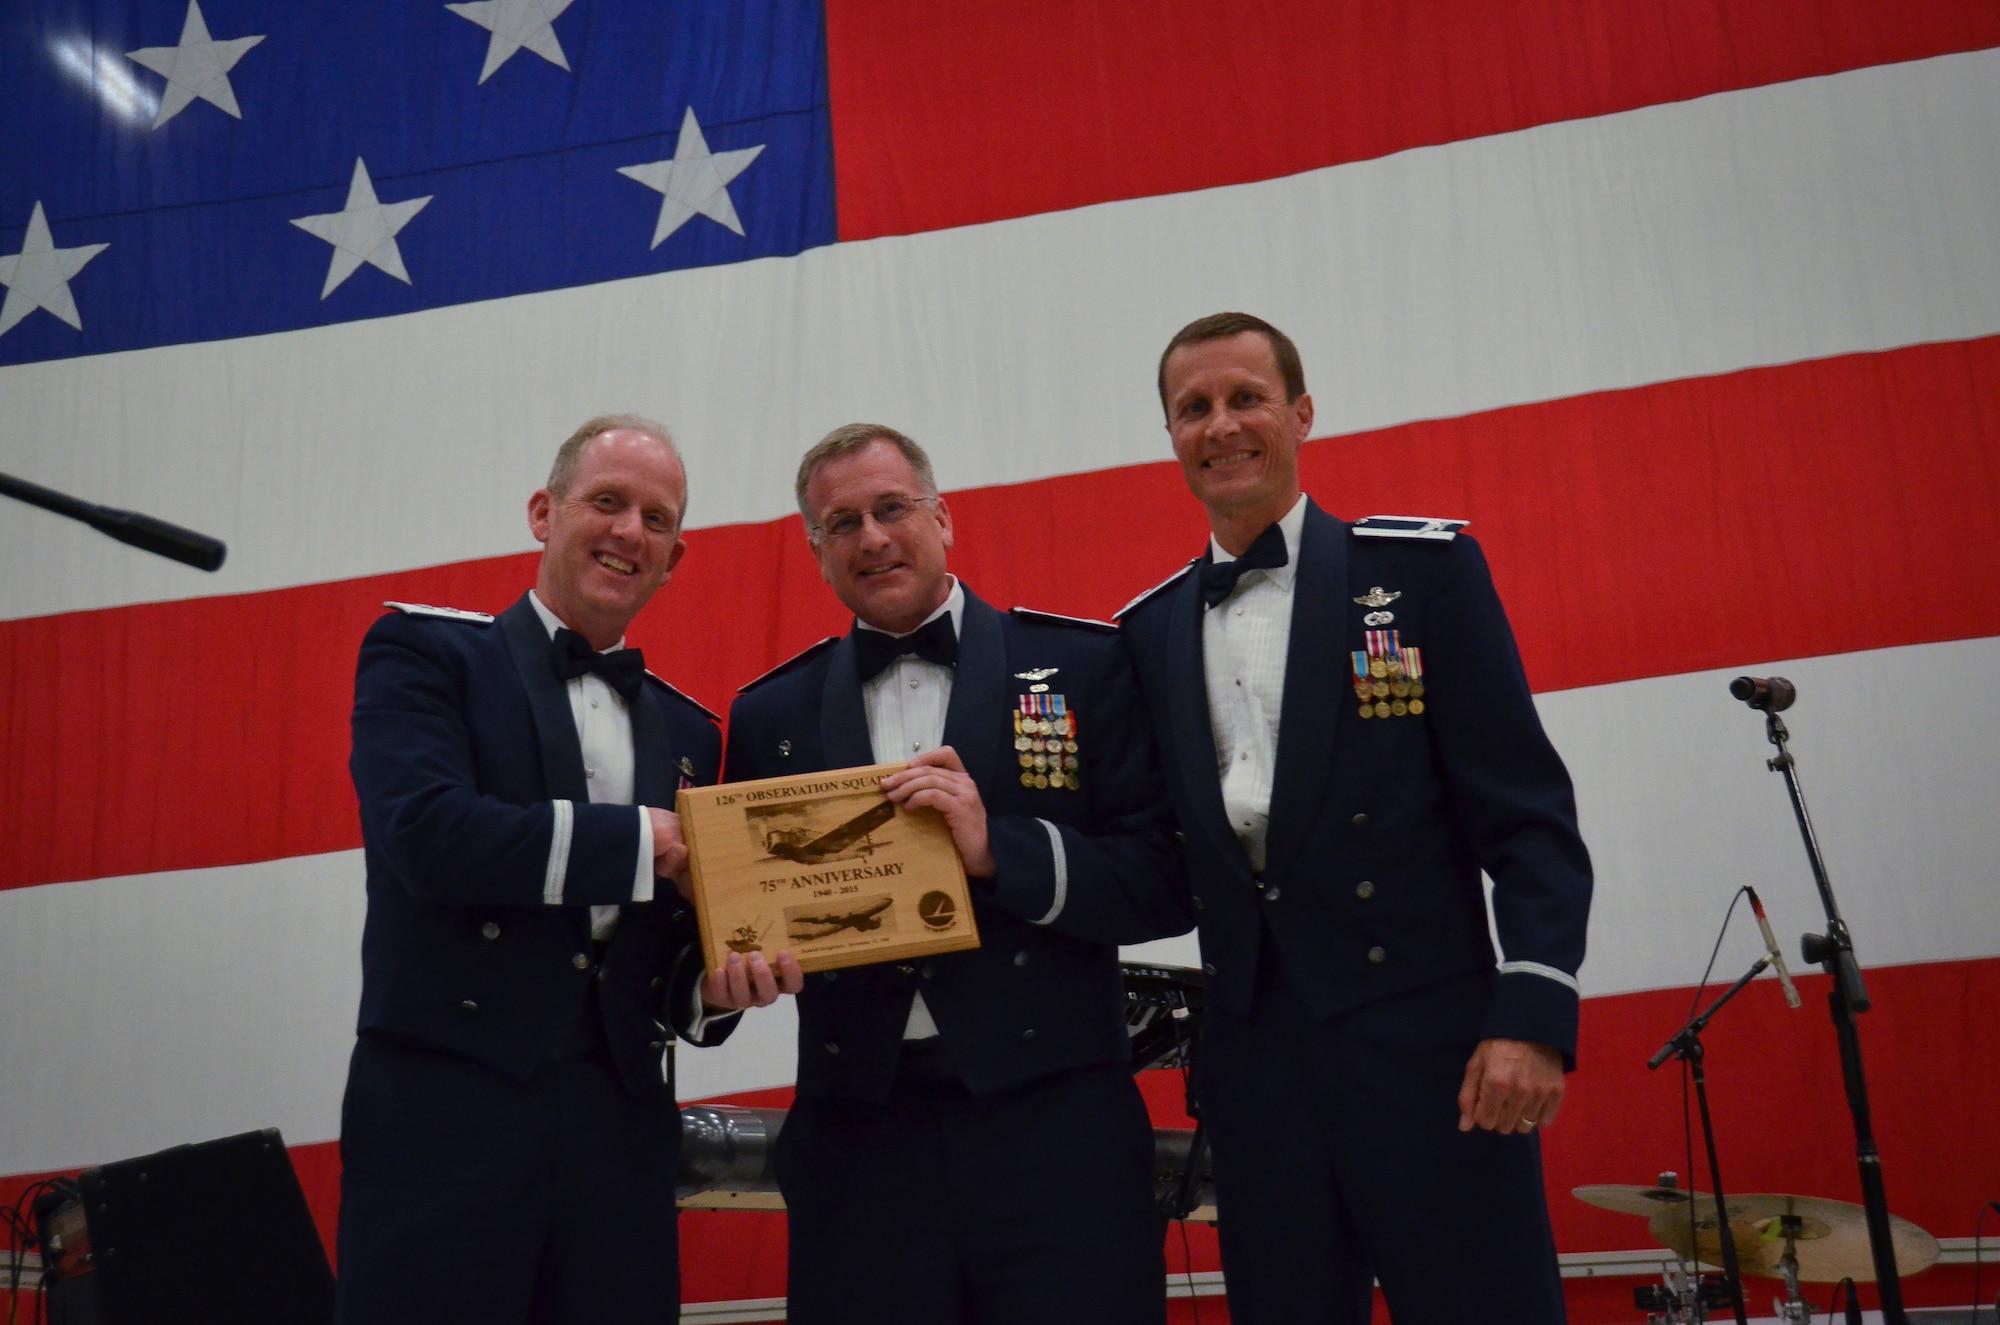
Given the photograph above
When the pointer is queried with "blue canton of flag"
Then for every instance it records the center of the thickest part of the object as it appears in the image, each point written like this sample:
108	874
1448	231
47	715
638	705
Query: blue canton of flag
188	170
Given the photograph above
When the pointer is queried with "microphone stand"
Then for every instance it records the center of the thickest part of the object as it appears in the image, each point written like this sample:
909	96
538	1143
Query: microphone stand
130	527
1686	1046
1834	951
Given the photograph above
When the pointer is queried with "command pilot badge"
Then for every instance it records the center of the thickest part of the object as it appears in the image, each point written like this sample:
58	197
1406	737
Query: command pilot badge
687	772
1045	741
1388	676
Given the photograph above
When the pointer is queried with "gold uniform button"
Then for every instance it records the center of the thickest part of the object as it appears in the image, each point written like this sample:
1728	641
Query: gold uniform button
1378	955
581	961
1272	894
1359	821
1021	958
489	930
1364	890
468	1006
1208	968
831	1047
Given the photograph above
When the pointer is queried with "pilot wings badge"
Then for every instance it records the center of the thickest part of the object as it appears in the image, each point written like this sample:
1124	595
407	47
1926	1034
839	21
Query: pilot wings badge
1375	597
1037	673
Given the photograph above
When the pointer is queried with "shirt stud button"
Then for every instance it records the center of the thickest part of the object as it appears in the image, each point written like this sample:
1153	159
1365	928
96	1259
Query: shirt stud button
589	772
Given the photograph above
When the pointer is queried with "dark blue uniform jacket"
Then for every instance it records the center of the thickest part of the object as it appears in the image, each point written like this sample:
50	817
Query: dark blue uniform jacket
1034	998
463	742
1379	828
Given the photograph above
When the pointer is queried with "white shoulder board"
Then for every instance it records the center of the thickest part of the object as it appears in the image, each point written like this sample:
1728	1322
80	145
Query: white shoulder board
1058	619
682	695
448	613
1409	526
1155	589
803	655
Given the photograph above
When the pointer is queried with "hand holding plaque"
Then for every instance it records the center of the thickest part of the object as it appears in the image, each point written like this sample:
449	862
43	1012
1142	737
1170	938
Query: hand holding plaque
826	865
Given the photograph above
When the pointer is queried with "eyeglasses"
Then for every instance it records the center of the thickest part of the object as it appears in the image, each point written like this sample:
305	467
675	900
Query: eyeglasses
889	511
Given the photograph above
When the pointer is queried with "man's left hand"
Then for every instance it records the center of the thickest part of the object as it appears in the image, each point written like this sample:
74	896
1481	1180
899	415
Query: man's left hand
937	780
750	983
1511	1086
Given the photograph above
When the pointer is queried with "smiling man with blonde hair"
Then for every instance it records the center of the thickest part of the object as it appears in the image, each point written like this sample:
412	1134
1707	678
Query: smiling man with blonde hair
509	1143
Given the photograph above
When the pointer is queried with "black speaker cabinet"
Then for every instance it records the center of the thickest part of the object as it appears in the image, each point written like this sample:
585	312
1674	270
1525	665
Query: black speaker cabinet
216	1233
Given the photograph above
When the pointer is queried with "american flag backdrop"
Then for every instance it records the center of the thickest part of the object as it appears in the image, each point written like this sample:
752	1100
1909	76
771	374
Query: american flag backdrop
1692	309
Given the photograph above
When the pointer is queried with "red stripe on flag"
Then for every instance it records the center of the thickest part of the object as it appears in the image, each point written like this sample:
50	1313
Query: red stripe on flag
1781	1121
1816	508
975	111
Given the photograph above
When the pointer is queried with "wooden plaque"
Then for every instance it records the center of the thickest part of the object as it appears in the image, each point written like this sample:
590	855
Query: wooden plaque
823	864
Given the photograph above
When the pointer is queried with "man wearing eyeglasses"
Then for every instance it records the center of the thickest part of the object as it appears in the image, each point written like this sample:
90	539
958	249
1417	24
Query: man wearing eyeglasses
967	1141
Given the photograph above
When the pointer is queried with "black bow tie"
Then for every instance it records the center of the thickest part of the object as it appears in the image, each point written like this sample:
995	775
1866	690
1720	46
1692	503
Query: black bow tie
1218	578
934	642
621	669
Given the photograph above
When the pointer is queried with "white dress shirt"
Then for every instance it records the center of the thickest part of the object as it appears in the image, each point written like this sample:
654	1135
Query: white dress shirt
905	704
1243	645
604	730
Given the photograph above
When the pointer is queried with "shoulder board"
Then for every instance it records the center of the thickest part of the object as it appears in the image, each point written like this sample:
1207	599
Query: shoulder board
1409	526
448	613
1155	589
810	651
1058	619
684	697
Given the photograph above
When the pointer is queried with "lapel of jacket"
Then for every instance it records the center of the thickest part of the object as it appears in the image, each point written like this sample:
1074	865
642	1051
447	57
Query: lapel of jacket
978	691
1188	718
1316	686
655	779
548	701
843	722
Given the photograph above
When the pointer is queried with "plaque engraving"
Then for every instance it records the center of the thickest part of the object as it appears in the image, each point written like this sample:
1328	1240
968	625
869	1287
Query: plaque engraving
823	864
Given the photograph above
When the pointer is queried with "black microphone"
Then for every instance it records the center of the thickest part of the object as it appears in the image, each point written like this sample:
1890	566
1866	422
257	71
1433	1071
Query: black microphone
1771	946
1773	694
128	527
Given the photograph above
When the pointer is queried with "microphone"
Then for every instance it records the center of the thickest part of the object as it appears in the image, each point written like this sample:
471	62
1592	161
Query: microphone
1771	946
1773	694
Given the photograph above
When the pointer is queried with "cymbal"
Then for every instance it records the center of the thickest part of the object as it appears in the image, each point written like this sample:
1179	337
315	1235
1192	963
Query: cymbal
1829	1238
1644	1202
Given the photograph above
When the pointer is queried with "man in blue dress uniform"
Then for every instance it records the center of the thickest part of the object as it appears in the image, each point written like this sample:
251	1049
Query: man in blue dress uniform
1349	742
508	1142
967	1141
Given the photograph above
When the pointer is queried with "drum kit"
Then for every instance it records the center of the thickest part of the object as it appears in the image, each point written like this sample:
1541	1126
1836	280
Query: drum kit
1796	1239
